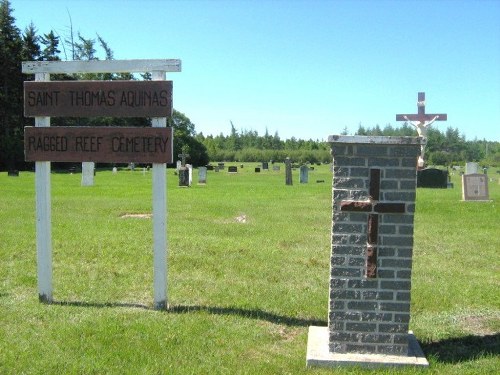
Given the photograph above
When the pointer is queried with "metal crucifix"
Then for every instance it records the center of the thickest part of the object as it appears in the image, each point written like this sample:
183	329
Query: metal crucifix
373	207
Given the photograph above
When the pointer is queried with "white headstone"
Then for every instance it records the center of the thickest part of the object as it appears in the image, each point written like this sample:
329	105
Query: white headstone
471	168
115	170
190	167
179	165
88	173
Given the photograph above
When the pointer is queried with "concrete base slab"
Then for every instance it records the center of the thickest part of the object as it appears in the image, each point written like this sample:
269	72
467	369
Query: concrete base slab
318	353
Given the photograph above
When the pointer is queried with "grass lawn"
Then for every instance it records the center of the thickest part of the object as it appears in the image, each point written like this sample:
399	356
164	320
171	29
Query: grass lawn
248	270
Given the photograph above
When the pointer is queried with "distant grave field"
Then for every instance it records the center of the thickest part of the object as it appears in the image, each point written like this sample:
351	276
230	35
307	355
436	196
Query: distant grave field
248	266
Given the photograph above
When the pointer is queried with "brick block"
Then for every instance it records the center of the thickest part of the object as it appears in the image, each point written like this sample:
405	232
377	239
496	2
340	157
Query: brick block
362	306
397	240
395	285
359	172
383	162
399	196
346	272
363	284
377	295
392	327
371	150
389	185
375	338
342	161
361	327
409	173
402	318
396	263
395	306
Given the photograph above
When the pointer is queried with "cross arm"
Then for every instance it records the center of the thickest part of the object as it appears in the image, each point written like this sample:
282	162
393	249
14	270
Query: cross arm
422	117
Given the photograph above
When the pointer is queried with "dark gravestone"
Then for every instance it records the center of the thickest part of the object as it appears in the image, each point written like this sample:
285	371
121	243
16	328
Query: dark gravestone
257	170
210	167
13	173
184	177
221	166
265	165
232	169
432	178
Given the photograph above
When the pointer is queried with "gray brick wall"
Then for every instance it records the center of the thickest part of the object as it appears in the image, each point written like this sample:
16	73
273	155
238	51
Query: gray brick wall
371	315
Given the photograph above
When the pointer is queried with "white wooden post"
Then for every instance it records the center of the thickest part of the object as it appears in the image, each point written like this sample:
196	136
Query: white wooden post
159	218
43	216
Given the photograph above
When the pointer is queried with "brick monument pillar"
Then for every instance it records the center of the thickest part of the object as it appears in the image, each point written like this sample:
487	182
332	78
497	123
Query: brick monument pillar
374	188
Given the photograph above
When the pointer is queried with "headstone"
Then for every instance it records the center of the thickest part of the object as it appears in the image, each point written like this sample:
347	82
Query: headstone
13	173
202	175
131	166
257	170
210	167
288	172
115	170
178	165
190	173
475	187
232	169
304	174
88	173
471	168
216	169
371	259
221	166
265	165
184	177
432	178
276	168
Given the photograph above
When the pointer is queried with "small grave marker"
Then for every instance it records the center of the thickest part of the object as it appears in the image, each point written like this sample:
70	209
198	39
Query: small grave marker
475	187
202	175
88	173
304	174
288	172
471	168
232	169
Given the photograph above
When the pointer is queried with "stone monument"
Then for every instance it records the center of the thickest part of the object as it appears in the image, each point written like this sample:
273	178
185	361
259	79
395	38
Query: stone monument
374	190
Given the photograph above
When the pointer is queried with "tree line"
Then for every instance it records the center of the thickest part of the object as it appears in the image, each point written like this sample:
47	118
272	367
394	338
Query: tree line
443	148
29	45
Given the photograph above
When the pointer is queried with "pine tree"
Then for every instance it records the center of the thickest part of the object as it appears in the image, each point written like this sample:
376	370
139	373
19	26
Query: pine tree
11	85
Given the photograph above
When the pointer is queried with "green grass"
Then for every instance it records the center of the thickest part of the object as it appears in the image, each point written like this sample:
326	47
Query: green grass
241	294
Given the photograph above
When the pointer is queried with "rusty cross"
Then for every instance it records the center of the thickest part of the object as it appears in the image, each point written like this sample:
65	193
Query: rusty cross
421	116
373	207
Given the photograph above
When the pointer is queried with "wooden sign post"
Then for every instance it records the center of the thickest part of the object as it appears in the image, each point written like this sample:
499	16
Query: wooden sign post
43	144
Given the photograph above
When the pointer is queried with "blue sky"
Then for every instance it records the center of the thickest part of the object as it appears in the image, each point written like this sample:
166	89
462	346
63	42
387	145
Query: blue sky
304	69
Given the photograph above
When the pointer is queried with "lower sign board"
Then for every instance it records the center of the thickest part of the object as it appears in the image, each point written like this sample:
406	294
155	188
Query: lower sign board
98	144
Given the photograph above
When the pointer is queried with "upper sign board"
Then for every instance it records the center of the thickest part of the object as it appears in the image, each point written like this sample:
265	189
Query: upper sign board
98	98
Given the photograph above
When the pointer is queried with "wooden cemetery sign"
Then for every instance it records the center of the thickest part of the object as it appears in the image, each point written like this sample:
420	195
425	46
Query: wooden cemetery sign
98	98
43	144
98	144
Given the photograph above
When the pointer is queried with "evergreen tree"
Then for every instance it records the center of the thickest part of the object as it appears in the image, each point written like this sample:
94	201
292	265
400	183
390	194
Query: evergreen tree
11	86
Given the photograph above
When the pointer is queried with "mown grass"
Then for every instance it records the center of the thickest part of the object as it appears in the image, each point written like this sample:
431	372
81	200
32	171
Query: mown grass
242	293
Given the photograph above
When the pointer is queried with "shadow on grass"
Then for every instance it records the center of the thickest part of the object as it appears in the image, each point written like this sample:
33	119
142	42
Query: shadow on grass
460	349
257	314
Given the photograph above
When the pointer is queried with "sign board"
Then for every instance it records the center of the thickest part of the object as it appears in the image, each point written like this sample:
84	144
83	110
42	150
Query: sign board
98	98
98	144
475	187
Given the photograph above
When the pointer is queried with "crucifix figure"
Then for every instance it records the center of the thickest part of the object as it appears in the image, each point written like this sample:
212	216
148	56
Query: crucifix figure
373	207
422	121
